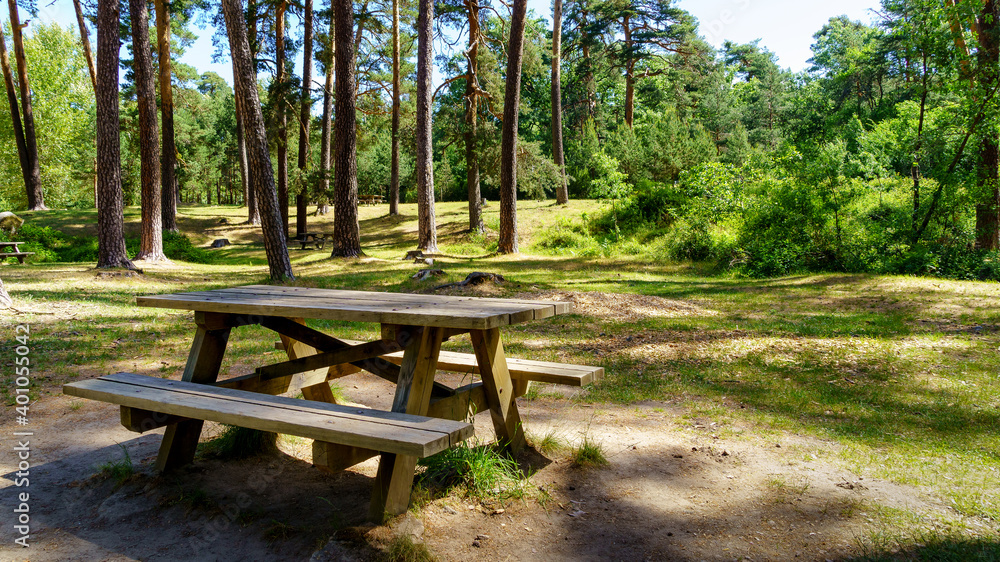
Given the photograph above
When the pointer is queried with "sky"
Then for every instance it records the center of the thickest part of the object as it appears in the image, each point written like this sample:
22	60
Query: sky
784	27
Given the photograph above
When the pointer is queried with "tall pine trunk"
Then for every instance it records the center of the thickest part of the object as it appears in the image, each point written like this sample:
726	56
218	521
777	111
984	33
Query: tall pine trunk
85	41
249	195
508	142
168	157
394	166
110	219
562	193
302	197
282	112
988	175
471	121
33	174
325	127
346	234
629	76
151	228
258	158
426	227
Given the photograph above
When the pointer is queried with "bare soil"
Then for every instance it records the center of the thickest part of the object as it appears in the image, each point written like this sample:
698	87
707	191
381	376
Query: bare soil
675	488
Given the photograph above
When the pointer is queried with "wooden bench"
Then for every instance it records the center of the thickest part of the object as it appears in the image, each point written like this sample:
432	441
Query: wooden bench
10	250
523	370
370	199
149	402
315	240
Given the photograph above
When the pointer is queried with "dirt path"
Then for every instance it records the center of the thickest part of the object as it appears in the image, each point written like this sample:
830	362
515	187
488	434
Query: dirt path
672	491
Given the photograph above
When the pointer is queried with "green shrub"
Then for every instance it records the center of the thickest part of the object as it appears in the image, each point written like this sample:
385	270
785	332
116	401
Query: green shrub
179	247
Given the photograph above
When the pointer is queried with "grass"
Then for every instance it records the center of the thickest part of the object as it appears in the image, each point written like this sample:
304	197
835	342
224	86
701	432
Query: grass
121	470
403	549
896	374
480	472
589	454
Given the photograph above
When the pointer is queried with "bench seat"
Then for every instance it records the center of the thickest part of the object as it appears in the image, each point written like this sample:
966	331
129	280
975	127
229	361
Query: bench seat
388	432
524	370
19	255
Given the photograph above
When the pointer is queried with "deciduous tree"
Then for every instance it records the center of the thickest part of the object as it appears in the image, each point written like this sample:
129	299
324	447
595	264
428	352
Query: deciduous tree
32	174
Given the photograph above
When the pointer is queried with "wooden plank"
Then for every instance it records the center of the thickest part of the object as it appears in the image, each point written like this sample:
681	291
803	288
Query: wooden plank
390	308
468	399
313	309
294	404
334	457
180	440
560	307
326	422
520	369
305	363
499	389
394	480
141	421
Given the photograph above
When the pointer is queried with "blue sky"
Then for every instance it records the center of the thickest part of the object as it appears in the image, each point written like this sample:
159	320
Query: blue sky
786	28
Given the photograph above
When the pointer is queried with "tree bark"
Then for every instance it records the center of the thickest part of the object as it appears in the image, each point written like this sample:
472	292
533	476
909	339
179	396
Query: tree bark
426	227
346	234
15	110
562	193
471	121
33	175
249	195
282	114
324	142
988	60
110	219
629	76
85	41
151	235
394	166
169	155
302	197
508	143
258	159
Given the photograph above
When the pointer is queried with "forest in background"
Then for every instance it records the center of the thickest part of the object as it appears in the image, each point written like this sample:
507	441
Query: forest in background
882	157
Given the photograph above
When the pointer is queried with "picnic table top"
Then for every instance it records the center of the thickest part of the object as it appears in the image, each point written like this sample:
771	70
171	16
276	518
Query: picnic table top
5	244
469	313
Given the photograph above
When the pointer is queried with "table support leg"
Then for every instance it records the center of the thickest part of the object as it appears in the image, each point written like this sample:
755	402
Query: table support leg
295	349
181	439
500	391
391	491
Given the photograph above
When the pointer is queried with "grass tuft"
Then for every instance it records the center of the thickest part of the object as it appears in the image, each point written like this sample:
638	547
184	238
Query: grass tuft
589	454
482	472
403	549
120	470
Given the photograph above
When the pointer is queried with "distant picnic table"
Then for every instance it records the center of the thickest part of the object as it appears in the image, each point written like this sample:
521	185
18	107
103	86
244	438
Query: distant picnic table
10	250
425	417
370	199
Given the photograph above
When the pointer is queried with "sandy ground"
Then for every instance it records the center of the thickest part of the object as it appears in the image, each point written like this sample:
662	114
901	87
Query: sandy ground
673	490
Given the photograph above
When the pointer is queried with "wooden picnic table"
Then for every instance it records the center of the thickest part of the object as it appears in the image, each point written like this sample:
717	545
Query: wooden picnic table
413	328
11	250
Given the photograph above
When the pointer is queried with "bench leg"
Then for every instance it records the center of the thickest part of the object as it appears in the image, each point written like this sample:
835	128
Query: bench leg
181	439
500	389
391	491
